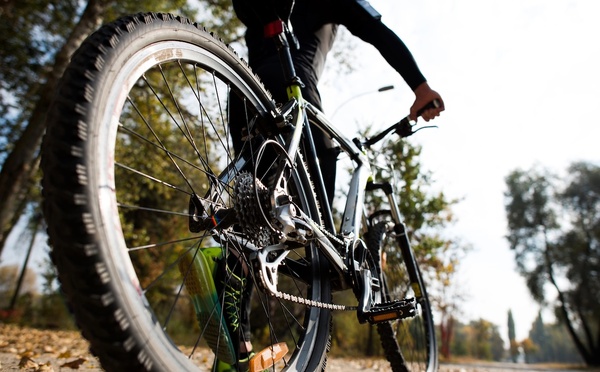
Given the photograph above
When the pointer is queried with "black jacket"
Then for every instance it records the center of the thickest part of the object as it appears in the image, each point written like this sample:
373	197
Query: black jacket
315	24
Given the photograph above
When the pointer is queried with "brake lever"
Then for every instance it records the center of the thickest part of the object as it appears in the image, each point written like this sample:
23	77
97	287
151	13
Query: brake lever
405	127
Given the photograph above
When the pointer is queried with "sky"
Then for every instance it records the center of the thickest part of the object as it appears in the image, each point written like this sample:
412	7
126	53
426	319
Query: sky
521	83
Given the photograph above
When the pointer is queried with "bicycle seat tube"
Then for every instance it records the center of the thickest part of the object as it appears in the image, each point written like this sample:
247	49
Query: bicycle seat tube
277	31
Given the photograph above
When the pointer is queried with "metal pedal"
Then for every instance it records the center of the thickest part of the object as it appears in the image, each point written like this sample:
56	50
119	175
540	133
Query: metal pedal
378	313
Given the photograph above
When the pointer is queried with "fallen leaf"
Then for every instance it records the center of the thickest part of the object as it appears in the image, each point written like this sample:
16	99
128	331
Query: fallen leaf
48	349
46	367
65	354
27	353
75	364
27	362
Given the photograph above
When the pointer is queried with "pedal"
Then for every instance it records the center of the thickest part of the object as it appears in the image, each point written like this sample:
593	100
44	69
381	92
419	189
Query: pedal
387	311
267	357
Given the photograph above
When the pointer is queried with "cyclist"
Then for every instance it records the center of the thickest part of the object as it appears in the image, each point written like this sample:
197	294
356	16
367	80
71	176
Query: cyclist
314	23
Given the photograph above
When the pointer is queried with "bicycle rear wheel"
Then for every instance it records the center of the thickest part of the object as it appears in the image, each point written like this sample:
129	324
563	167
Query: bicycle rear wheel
409	344
139	175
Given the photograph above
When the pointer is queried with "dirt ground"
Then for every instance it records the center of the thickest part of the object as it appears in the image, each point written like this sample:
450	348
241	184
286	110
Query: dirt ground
26	349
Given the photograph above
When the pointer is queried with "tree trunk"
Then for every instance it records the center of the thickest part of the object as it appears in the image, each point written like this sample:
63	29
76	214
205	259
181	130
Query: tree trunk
20	165
447	331
581	348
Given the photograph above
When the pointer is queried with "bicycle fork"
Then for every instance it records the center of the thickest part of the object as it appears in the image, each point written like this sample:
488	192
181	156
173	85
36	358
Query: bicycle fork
393	309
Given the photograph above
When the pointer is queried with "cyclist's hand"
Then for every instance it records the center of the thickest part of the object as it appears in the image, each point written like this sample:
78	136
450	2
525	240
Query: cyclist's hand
423	95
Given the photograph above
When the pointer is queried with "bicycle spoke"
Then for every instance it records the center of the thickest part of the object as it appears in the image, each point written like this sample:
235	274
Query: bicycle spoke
152	144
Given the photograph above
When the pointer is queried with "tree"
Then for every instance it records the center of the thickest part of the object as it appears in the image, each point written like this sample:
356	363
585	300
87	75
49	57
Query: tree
513	345
550	343
44	34
554	229
8	275
26	95
426	213
479	339
529	349
538	336
427	216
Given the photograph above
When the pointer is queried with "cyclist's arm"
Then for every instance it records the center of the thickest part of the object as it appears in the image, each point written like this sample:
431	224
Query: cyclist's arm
365	24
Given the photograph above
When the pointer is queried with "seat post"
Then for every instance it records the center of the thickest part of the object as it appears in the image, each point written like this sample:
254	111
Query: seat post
279	32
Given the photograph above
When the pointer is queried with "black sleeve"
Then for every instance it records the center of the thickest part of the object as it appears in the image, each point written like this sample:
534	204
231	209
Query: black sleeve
258	13
364	22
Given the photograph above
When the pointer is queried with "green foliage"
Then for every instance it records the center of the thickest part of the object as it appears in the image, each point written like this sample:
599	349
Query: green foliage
513	347
34	30
479	339
350	338
426	214
45	310
121	8
562	252
38	29
218	16
549	343
8	282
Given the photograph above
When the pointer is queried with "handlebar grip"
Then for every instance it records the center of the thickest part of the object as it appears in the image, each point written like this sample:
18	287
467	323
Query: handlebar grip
433	104
404	127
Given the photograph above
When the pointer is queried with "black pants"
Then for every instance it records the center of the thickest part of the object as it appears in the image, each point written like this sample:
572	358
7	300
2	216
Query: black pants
272	77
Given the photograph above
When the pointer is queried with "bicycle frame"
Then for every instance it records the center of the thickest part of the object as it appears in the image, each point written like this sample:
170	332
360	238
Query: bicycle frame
354	220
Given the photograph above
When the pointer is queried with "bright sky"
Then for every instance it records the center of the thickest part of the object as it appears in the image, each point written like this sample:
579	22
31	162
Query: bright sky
521	83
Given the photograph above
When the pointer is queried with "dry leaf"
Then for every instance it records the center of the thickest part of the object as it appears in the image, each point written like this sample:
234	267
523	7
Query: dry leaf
46	367
75	364
48	349
65	354
27	362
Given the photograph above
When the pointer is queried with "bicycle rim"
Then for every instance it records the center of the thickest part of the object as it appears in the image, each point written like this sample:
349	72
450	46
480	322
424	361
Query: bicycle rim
138	140
409	344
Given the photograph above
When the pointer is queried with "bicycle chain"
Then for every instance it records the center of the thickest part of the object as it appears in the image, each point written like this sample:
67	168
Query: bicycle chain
313	303
305	301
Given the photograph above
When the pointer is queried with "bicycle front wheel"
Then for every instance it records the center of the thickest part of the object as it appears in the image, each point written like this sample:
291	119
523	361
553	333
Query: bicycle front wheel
409	344
140	176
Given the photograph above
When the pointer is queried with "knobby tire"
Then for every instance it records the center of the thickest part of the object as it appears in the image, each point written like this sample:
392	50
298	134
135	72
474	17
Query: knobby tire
124	156
409	344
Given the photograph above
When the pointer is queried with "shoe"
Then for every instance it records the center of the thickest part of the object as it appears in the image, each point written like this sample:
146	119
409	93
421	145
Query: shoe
267	357
255	362
198	269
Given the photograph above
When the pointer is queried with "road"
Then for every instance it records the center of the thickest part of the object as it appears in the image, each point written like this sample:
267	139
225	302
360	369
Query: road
39	350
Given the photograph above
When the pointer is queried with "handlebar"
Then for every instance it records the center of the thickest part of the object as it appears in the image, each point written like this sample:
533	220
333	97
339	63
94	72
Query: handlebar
403	128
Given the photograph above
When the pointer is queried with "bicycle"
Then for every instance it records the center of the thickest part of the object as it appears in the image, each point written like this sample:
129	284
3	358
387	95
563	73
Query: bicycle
140	175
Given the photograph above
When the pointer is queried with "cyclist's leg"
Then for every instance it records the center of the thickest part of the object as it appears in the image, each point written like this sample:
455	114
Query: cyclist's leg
233	273
270	73
235	291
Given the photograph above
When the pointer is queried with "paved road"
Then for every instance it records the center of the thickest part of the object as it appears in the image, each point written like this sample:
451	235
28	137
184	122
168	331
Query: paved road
367	365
